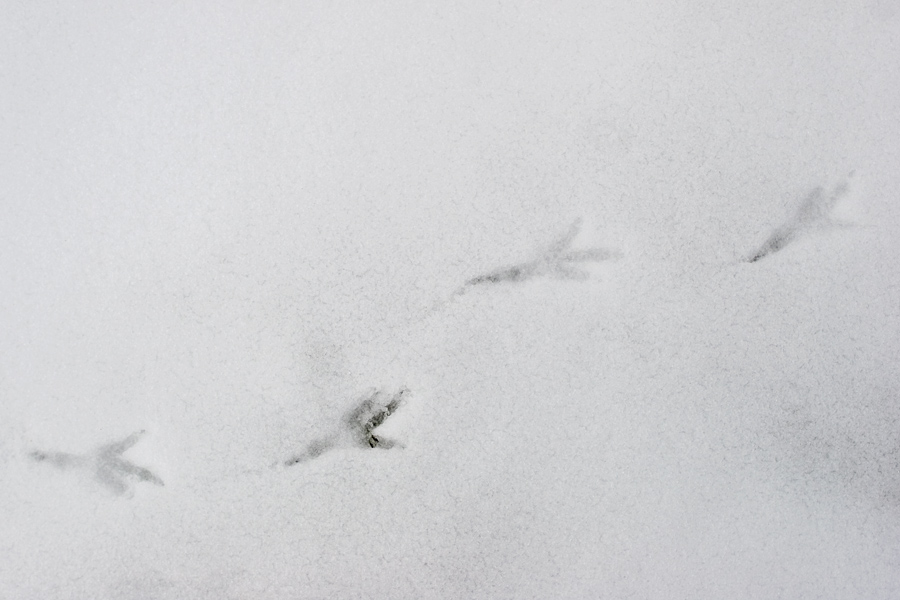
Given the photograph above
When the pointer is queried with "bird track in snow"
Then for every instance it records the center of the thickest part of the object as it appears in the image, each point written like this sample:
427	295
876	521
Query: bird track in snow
813	213
106	464
357	427
556	261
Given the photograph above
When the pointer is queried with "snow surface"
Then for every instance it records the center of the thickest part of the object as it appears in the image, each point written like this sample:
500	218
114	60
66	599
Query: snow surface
223	222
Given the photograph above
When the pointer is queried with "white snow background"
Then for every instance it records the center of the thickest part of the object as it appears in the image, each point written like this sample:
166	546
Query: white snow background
222	222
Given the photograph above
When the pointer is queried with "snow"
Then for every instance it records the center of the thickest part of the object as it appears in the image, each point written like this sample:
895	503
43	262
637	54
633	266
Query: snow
222	225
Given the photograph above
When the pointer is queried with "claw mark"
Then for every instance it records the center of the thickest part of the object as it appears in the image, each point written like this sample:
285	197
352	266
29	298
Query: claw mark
556	261
358	426
107	464
813	212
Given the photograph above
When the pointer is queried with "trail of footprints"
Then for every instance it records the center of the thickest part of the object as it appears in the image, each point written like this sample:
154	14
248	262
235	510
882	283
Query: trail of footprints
358	427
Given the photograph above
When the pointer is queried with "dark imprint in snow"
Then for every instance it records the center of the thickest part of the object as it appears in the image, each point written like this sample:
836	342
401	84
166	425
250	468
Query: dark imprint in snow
358	426
813	213
556	261
106	464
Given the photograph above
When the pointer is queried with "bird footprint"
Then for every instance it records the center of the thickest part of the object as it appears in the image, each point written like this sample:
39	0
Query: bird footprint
556	261
106	464
813	213
358	426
